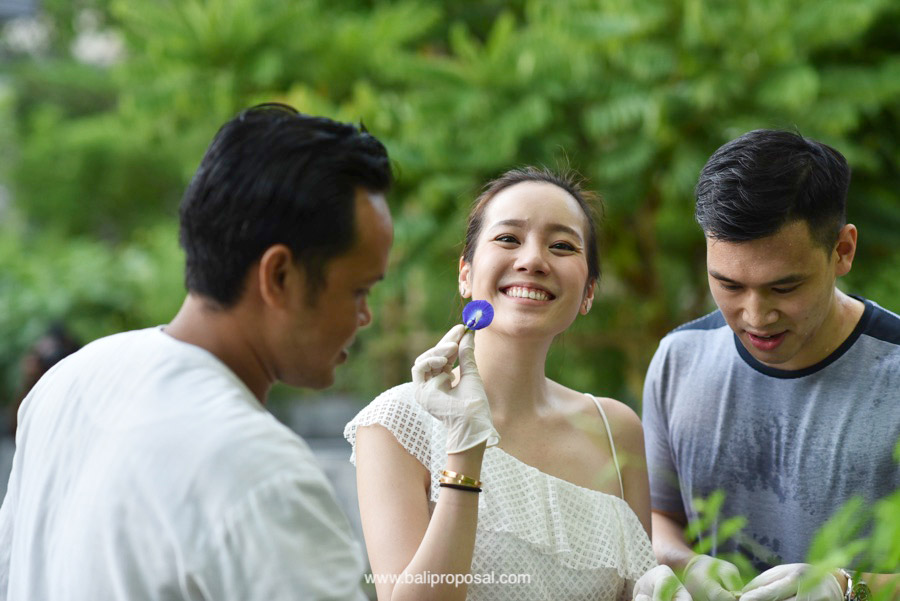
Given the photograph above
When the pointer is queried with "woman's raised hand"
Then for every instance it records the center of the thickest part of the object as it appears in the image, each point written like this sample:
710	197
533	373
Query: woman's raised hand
463	408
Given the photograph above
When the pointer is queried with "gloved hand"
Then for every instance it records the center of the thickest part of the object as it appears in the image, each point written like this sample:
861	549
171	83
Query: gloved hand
709	579
660	584
789	581
463	409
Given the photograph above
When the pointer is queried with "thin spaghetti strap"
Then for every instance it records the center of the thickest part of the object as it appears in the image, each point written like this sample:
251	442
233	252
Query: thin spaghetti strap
611	444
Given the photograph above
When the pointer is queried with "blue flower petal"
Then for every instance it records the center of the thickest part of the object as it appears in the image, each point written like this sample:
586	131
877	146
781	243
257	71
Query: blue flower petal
478	314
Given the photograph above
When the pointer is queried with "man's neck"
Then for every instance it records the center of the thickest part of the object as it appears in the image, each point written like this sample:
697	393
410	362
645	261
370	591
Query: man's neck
851	311
224	333
842	319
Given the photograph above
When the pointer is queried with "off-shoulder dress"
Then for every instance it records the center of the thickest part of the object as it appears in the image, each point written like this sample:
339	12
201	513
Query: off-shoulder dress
538	537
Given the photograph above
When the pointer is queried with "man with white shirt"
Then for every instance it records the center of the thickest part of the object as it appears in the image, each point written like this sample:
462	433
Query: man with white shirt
147	466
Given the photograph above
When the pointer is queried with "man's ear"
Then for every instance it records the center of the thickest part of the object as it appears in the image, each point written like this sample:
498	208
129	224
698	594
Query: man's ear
588	299
276	270
845	249
465	278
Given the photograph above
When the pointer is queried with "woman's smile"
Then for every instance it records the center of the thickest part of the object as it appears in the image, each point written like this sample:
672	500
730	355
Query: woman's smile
528	292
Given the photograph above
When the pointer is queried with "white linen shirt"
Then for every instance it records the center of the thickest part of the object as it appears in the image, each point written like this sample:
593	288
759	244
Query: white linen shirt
146	470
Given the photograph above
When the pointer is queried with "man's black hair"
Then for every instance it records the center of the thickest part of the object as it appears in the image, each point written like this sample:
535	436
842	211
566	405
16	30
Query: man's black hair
753	186
275	176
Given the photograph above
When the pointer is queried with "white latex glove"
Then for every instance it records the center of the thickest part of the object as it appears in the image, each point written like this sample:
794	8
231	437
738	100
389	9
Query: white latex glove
660	584
788	582
709	579
463	409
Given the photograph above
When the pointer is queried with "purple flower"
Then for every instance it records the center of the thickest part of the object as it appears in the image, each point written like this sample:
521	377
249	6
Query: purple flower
478	314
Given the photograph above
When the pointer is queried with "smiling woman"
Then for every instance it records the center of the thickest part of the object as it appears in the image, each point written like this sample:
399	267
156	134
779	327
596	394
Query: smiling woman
565	494
535	257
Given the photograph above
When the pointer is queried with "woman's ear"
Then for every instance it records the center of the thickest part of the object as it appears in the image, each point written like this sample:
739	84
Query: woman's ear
465	284
588	299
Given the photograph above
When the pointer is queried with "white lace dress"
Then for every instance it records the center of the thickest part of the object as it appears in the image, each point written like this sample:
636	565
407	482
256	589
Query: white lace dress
573	543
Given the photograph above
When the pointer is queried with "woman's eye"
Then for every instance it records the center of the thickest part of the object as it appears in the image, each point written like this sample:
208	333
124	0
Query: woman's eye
506	238
730	287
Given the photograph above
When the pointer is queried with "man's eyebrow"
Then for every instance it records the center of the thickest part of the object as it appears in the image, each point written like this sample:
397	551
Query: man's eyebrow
791	279
553	227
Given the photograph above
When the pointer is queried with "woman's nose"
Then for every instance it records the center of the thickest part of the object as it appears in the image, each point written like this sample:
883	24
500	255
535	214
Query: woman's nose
532	259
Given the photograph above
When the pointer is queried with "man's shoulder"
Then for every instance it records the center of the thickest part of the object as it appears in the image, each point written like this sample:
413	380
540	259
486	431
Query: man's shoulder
697	335
143	335
114	344
133	347
701	346
708	323
883	325
232	455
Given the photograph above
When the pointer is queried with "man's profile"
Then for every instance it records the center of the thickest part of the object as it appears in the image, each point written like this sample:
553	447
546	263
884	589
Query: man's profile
147	465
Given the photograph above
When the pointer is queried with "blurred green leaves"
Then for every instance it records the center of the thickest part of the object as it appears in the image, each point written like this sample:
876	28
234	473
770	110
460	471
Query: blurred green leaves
863	535
90	286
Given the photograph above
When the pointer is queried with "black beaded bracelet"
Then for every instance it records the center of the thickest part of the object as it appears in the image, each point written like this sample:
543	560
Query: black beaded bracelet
460	487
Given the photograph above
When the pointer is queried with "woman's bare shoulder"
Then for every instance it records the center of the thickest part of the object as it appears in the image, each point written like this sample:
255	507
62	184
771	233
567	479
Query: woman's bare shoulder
620	413
623	420
627	430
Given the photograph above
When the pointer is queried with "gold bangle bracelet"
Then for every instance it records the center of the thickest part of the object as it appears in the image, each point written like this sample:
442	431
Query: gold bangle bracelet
446	480
454	483
464	480
462	487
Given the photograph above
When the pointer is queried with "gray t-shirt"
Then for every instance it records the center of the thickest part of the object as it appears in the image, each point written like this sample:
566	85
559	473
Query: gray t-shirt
788	448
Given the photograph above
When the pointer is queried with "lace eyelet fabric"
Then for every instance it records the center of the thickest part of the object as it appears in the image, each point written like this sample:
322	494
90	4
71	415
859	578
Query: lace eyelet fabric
557	540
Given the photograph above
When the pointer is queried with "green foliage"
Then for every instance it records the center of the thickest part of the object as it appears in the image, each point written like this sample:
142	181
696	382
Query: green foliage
634	95
81	282
708	531
835	544
866	536
127	178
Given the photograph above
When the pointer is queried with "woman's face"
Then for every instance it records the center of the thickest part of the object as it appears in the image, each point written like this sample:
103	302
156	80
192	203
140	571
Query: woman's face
529	261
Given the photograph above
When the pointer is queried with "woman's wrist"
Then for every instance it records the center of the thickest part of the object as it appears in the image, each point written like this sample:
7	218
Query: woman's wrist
468	462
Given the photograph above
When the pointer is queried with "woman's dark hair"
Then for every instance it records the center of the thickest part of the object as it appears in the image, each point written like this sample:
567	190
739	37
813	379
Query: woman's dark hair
275	176
755	185
589	202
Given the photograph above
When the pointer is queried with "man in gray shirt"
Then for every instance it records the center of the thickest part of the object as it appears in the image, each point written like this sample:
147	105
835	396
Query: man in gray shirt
787	398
